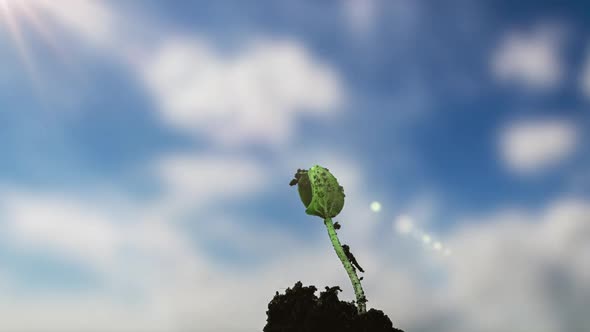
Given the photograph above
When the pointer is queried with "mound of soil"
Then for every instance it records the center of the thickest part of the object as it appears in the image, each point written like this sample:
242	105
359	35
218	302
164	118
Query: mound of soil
299	310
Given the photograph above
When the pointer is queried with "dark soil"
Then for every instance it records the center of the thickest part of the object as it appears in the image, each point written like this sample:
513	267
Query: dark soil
299	310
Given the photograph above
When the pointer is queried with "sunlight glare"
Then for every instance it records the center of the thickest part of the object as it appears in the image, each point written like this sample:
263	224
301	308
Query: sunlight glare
375	206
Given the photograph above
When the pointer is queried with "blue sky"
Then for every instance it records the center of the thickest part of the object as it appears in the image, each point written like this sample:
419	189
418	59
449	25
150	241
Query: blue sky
146	149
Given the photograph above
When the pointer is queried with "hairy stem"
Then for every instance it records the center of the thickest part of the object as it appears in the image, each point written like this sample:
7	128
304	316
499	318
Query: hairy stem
354	279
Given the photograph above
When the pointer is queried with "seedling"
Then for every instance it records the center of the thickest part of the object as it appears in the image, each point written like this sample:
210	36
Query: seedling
323	197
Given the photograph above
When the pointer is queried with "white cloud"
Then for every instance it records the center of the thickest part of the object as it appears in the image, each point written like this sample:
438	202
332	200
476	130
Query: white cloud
531	59
127	249
198	179
69	229
249	97
522	271
135	258
535	145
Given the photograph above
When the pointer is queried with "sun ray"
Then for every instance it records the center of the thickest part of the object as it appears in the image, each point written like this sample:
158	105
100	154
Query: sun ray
16	35
33	18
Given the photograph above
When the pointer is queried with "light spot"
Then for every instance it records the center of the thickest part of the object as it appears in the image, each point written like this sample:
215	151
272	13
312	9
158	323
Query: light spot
375	206
448	252
426	238
437	246
404	224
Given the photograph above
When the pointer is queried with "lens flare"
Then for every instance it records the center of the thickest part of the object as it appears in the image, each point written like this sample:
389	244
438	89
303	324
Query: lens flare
404	224
375	206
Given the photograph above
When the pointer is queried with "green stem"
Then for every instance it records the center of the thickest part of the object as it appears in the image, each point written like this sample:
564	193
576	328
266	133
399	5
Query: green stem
354	279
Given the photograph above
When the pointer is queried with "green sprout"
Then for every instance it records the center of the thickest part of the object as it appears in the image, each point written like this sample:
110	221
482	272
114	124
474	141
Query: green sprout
324	197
